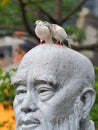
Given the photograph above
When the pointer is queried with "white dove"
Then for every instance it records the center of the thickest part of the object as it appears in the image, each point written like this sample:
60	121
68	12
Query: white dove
43	31
59	35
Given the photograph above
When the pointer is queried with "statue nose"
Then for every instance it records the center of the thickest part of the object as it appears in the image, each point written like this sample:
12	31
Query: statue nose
29	104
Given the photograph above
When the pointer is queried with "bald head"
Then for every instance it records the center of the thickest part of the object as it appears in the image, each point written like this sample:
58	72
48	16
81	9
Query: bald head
57	83
62	60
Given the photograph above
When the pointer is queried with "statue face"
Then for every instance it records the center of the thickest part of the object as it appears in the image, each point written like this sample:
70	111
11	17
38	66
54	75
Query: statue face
42	96
46	94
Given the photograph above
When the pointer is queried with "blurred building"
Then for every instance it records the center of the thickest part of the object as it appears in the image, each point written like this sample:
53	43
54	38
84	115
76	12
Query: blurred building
93	6
8	46
7	49
88	21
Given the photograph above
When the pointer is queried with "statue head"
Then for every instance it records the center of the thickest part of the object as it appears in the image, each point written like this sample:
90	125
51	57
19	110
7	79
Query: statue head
54	90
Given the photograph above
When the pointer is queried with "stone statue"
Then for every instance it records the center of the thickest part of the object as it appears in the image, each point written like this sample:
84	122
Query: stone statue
54	90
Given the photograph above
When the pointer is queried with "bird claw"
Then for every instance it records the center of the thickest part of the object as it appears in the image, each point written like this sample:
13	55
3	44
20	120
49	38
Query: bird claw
59	43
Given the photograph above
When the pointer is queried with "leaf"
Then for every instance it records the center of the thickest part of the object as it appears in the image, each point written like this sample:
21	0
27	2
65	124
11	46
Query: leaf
1	71
96	68
7	92
4	2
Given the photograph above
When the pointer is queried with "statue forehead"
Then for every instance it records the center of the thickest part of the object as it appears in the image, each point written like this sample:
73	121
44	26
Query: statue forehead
53	54
57	57
44	59
60	62
48	53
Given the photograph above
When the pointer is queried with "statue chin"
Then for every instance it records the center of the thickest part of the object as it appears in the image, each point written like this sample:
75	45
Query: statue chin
71	123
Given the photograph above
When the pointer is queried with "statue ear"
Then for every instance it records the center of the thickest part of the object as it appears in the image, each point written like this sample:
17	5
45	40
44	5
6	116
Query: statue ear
88	98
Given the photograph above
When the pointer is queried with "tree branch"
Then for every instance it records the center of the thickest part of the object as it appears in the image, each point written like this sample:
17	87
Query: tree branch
47	16
23	11
85	47
34	12
42	14
58	10
73	11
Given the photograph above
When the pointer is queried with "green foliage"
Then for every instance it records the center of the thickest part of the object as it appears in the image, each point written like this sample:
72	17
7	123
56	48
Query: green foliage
94	112
7	91
11	16
4	2
78	35
69	4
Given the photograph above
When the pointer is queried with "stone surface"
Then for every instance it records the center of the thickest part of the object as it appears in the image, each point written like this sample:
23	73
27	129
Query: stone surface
54	90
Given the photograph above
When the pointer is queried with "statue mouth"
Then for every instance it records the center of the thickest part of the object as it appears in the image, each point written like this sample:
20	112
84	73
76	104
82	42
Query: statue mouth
30	124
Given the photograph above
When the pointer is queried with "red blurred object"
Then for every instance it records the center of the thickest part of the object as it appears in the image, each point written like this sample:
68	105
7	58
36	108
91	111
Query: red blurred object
18	58
19	33
19	54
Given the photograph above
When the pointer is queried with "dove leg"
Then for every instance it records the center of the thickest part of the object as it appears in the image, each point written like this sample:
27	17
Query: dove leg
42	41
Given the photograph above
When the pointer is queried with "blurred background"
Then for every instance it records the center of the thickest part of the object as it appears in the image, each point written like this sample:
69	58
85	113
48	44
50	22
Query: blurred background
79	18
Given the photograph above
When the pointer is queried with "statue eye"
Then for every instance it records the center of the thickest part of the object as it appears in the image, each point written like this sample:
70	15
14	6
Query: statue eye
42	90
20	92
45	92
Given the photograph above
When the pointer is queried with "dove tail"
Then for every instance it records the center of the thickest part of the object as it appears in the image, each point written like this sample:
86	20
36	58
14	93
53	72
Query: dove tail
66	43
